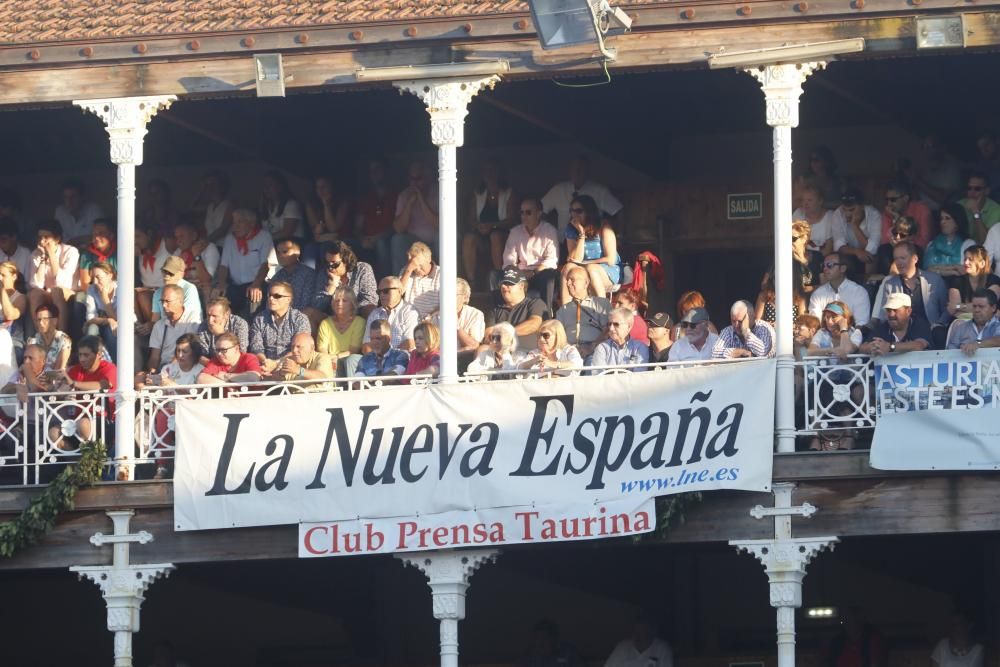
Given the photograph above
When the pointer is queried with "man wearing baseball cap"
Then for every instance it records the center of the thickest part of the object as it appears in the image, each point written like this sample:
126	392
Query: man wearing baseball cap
660	341
697	342
173	274
515	307
899	332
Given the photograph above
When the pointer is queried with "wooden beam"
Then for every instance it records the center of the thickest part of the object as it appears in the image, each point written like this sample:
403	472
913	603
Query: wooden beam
335	69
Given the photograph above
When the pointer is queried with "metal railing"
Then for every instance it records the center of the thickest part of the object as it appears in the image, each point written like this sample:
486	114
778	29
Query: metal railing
835	399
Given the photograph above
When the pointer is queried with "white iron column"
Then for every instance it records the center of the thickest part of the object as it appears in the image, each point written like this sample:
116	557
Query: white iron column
782	86
125	119
122	583
447	103
785	559
448	574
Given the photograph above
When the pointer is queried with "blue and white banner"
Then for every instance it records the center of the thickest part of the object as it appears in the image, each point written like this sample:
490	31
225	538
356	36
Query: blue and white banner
937	411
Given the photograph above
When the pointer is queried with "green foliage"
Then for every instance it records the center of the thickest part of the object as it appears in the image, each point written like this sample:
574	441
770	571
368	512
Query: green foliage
670	511
40	515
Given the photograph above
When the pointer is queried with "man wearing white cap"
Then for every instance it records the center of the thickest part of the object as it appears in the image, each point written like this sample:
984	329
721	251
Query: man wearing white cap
899	332
698	341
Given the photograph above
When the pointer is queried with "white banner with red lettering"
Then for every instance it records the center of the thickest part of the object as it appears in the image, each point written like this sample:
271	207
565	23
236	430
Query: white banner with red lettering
409	451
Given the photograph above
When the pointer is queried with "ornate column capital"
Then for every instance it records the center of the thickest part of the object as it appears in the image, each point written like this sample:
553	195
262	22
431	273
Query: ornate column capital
782	86
448	574
125	119
447	102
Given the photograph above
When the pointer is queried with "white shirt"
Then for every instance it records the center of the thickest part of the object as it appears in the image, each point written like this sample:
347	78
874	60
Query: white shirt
943	656
872	228
21	259
243	268
824	230
683	350
215	215
526	250
560	196
81	224
992	245
424	292
658	654
470	320
65	276
8	365
854	295
150	276
165	334
174	372
275	220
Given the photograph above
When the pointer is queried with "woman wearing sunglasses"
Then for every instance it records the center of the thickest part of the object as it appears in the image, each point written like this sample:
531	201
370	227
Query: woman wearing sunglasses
592	244
500	353
554	353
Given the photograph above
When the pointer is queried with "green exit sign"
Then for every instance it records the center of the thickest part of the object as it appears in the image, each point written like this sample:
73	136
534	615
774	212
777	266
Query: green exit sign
744	206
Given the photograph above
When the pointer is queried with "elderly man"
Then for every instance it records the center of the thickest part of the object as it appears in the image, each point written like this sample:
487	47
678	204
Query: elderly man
28	379
659	328
983	330
517	308
244	263
173	274
619	349
382	358
898	206
219	320
698	341
230	364
901	332
294	272
421	280
401	316
303	362
745	337
926	289
471	322
271	331
177	320
585	317
838	287
533	247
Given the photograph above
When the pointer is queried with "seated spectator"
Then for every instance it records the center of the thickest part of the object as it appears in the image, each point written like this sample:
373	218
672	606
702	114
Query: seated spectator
13	306
765	309
416	215
824	235
243	267
230	363
619	349
976	275
903	231
492	213
745	337
101	306
152	252
959	648
294	272
92	373
838	287
10	248
584	317
591	243
401	316
898	205
981	210
342	334
805	264
76	216
327	212
533	248
861	228
499	353
280	213
173	274
698	340
376	210
101	249
158	211
926	290
557	202
983	330
689	301
220	319
53	271
382	358
642	648
218	207
29	378
272	329
660	332
421	280
55	343
183	369
201	257
805	329
944	254
554	353
426	356
471	321
900	332
303	362
626	298
517	308
838	337
342	269
177	320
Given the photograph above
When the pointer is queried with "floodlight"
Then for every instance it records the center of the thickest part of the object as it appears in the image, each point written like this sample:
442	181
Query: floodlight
561	23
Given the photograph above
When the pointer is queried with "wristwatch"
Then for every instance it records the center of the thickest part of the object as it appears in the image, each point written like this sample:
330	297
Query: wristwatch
197	258
892	347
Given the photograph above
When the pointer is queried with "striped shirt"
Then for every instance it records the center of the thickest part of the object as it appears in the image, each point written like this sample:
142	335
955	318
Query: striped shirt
424	292
760	342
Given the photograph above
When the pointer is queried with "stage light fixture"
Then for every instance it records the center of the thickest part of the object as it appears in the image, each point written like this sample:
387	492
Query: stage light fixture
562	23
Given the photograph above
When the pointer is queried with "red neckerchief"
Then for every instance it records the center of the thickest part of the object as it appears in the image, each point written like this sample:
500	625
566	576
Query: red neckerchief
242	244
102	256
149	257
188	257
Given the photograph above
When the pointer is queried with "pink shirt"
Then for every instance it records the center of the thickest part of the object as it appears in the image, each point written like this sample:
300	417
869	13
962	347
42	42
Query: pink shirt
527	250
919	212
421	225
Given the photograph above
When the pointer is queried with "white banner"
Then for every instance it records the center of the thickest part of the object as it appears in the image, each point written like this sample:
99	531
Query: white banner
937	411
413	451
482	528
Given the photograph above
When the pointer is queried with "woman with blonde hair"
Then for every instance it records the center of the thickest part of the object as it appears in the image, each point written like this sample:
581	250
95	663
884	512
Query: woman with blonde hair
975	275
554	353
341	334
426	356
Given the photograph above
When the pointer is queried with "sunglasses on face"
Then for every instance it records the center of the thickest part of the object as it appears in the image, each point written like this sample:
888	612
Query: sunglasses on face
333	265
278	297
830	265
496	338
689	325
899	235
168	274
545	335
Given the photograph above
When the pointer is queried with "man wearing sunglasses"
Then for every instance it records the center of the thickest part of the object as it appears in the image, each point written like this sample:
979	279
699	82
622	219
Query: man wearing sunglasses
698	340
533	247
272	330
401	316
517	308
983	212
173	274
838	287
899	205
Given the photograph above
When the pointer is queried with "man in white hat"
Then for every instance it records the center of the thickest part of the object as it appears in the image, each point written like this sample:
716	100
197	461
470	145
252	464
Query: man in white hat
899	332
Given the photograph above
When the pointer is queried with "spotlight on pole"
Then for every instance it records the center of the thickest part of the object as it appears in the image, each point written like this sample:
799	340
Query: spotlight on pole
562	23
